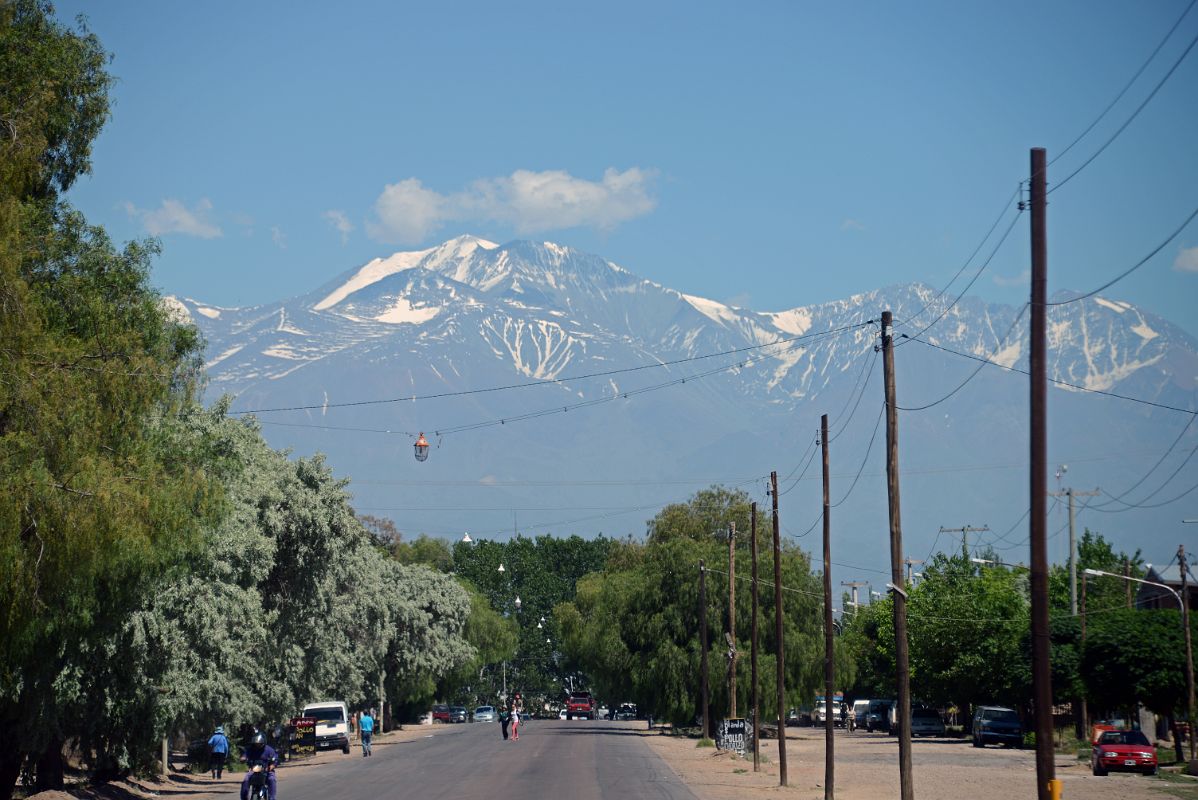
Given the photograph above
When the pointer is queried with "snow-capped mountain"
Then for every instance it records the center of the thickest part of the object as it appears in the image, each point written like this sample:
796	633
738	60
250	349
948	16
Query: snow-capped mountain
475	315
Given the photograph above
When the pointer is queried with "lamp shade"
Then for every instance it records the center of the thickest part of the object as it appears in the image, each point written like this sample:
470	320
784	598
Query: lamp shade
421	448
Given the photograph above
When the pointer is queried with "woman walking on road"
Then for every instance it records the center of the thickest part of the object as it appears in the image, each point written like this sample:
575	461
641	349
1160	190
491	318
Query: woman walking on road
505	719
517	710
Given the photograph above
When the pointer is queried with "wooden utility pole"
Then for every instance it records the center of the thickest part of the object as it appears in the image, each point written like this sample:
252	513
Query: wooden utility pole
703	645
731	620
1070	494
1127	574
829	663
1185	622
780	664
1085	710
902	668
965	530
1047	785
753	644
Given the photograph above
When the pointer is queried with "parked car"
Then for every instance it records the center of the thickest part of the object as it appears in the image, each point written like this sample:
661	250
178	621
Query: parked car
457	714
440	713
580	704
604	712
926	722
561	714
626	711
484	714
839	714
996	725
1123	750
332	724
877	717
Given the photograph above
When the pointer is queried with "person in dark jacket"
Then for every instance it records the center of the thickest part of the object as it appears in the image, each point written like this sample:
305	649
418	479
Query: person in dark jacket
218	751
505	718
260	754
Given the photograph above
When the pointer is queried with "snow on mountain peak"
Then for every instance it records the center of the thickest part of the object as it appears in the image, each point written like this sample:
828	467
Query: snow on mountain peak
373	272
717	312
453	252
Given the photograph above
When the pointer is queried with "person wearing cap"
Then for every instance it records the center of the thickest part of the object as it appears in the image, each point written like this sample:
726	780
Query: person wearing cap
218	751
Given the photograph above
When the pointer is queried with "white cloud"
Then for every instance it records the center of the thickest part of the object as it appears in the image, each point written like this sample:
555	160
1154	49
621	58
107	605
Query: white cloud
1187	260
527	201
340	223
1022	279
278	237
852	225
174	217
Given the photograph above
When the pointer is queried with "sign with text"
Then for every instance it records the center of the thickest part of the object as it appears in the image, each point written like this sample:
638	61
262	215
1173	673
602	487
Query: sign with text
732	735
303	740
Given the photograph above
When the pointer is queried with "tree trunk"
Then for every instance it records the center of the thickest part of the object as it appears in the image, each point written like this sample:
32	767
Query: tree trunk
1175	729
50	767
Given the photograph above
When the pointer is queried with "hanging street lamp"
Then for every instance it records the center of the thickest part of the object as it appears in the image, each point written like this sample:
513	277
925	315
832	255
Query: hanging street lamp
421	447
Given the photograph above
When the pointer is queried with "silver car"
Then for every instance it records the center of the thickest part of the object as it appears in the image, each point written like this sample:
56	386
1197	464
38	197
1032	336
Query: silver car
484	714
926	722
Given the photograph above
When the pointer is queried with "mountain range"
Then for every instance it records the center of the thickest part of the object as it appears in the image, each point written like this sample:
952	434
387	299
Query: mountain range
564	394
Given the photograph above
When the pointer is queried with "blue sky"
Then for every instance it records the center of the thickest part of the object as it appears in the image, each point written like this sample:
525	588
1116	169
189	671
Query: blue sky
768	154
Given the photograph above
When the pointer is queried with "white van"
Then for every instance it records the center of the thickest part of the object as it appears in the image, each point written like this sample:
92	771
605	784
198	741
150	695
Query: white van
332	724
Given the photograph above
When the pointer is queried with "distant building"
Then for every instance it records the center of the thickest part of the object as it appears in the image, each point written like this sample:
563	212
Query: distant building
1156	597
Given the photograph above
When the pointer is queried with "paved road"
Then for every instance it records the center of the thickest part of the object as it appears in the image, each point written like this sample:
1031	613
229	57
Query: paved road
576	760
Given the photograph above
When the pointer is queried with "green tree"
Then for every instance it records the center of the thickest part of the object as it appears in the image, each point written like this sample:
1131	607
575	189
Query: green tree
92	501
635	627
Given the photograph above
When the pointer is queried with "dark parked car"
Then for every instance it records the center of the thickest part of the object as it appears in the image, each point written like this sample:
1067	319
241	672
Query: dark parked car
1123	750
458	714
440	713
997	725
877	718
626	711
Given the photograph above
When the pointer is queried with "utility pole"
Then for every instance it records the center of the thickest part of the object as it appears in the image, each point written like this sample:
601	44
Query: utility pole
1047	785
1070	494
909	562
829	663
853	587
1185	622
1085	710
703	644
732	620
965	530
1127	574
753	646
902	667
780	664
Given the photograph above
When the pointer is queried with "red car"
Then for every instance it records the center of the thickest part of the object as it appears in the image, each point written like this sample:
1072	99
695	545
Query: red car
1123	750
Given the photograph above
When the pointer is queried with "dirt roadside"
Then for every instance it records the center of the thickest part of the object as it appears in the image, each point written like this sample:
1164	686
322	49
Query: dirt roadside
188	786
867	769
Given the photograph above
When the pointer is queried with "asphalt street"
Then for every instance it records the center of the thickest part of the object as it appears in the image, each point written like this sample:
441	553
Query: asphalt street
577	759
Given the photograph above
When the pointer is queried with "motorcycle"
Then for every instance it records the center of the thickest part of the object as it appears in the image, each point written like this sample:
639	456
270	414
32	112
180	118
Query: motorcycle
259	786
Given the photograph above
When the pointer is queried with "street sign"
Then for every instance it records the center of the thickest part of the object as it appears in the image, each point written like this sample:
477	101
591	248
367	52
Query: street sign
733	735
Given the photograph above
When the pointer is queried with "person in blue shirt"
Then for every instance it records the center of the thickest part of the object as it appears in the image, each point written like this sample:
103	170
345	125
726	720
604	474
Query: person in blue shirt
260	754
366	730
218	751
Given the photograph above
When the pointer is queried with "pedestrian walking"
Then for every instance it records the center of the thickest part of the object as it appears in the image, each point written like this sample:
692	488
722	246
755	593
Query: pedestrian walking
517	710
218	751
505	719
366	731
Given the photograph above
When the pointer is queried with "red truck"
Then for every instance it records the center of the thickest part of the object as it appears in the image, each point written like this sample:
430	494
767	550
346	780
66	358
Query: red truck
580	704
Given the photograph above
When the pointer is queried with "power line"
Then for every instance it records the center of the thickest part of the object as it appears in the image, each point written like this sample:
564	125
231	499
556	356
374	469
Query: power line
972	280
1129	120
555	381
1127	86
1057	381
1006	206
869	363
971	376
1154	467
1131	269
864	460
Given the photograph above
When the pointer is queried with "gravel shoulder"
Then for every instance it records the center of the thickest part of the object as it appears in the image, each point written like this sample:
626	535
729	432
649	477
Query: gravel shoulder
867	769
